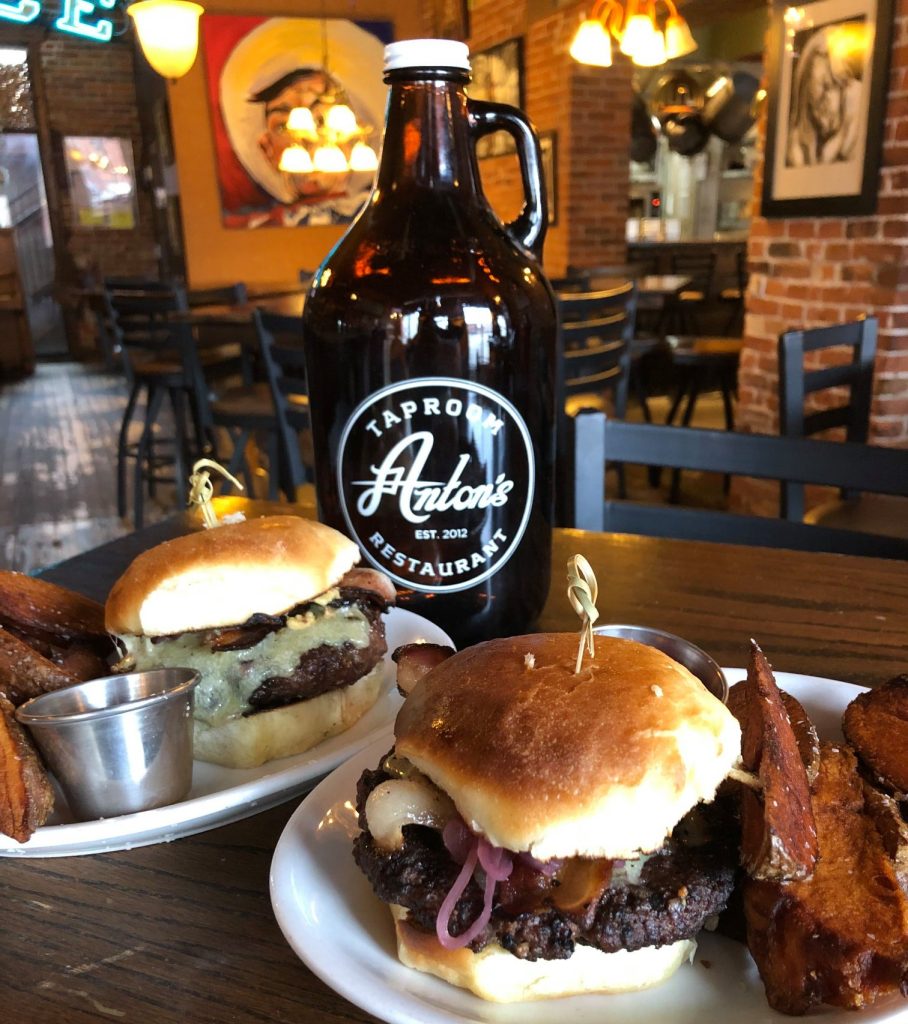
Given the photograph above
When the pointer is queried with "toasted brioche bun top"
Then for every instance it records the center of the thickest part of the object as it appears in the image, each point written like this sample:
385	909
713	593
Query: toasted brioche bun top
222	576
603	763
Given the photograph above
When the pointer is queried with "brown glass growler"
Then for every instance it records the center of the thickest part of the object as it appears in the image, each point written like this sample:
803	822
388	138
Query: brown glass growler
429	334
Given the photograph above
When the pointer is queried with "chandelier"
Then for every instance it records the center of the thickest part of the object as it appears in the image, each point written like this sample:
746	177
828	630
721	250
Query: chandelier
638	31
327	138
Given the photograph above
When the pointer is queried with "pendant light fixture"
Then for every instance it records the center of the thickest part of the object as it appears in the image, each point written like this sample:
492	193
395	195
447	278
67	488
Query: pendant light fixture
168	32
327	138
636	27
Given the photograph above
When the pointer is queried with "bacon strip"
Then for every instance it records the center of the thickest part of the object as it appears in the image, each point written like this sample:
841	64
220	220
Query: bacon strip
415	660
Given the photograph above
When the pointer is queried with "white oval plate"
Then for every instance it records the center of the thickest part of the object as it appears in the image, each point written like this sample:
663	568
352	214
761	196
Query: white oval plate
329	915
221	795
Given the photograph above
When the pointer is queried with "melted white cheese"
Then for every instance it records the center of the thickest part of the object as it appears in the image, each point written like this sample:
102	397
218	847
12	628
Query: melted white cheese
230	677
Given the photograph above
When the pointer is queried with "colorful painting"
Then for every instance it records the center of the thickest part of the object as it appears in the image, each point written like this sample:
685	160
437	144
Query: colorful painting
258	70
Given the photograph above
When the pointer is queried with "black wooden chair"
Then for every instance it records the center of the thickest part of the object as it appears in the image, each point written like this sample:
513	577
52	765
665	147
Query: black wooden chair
732	295
597	439
851	412
280	342
699	365
595	331
149	343
682	312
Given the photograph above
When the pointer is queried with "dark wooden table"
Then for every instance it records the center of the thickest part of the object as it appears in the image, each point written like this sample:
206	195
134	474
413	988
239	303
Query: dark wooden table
184	932
285	303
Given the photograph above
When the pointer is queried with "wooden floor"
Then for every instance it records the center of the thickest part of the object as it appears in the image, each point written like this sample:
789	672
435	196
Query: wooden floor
58	445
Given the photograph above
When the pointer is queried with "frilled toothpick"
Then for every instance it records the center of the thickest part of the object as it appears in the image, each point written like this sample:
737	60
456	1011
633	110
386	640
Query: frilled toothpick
201	488
582	593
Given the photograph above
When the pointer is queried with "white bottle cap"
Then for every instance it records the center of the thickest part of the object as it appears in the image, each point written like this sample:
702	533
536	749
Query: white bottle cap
427	53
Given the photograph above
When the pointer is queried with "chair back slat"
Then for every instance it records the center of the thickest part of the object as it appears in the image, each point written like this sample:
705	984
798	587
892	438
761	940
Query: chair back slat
595	330
826	419
829	377
280	343
594	334
700	266
598	439
795	383
142	322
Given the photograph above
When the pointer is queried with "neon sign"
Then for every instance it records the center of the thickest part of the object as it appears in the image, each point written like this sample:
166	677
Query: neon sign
78	17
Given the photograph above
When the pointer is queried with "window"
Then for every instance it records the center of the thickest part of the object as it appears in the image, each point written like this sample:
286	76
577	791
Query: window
102	181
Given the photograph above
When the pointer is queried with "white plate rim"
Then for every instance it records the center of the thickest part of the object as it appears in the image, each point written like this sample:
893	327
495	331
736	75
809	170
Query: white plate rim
269	785
402	1004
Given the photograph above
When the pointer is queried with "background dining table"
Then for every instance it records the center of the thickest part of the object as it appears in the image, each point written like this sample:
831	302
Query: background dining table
184	931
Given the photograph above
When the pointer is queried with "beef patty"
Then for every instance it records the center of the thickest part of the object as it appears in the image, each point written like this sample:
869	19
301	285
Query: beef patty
680	887
324	668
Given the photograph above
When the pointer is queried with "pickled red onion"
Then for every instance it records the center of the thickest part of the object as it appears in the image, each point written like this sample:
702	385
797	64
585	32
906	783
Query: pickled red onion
496	861
497	864
450	901
457	839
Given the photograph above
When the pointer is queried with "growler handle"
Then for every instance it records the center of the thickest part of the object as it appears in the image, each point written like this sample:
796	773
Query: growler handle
528	229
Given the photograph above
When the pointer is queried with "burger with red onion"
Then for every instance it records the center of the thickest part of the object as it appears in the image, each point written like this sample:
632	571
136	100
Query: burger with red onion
539	832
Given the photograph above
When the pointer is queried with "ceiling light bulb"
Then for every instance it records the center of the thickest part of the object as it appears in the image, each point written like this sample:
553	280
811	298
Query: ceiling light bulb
330	160
341	120
363	158
636	34
295	160
678	38
591	44
168	32
650	53
301	121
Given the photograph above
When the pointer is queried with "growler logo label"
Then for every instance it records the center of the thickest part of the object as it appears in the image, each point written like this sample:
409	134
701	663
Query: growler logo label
436	479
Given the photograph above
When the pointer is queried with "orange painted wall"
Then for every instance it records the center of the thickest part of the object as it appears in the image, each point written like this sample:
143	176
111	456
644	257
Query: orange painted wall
215	255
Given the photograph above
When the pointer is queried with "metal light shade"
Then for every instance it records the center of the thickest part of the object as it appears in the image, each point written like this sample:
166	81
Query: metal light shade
678	38
168	32
731	109
330	160
295	160
592	45
363	158
677	91
643	133
686	133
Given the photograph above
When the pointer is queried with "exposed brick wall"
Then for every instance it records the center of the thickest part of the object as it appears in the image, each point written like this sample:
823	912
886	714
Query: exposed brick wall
806	272
588	108
89	89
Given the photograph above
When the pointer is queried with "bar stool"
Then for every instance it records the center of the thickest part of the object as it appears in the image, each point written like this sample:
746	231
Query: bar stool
702	364
155	364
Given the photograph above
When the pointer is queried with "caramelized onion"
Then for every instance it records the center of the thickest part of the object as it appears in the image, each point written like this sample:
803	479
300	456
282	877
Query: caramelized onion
398	802
544	867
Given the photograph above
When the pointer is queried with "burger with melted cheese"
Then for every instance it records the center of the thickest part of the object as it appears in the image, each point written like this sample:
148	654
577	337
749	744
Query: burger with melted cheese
287	635
542	833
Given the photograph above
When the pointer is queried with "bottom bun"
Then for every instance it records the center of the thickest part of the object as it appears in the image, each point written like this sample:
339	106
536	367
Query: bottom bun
251	741
499	976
